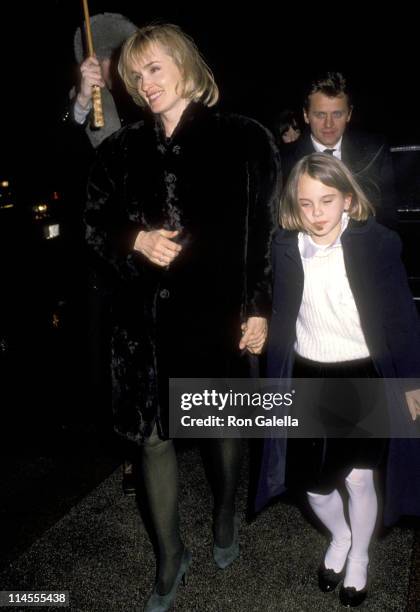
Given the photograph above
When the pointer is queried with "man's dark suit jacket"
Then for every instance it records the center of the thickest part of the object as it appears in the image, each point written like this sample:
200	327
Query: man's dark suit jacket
368	157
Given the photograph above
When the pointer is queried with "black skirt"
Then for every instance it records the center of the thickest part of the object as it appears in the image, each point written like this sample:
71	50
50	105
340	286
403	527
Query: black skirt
321	463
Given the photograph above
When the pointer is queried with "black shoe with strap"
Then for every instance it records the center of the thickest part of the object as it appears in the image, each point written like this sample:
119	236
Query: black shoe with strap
351	597
328	579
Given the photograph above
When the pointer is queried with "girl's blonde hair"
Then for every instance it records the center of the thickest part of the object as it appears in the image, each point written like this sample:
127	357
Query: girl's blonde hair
198	82
330	171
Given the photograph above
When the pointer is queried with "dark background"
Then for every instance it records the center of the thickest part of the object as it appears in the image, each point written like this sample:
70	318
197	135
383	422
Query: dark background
260	57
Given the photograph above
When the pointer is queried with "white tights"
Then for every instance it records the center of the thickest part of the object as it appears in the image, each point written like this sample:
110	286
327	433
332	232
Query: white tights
351	543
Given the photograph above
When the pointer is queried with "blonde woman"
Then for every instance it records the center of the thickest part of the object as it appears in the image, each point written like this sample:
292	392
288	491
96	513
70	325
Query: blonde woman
181	208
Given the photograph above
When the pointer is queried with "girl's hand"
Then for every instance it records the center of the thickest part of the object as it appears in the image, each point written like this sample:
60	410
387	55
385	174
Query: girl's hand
413	402
157	246
254	335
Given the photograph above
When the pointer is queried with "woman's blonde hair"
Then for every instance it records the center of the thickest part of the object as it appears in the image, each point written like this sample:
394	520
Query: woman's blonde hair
198	82
330	171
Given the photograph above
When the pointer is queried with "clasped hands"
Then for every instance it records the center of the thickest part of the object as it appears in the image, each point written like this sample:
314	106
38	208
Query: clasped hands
159	248
254	335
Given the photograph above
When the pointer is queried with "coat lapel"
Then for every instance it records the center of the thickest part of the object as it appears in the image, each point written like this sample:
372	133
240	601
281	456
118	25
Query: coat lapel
287	242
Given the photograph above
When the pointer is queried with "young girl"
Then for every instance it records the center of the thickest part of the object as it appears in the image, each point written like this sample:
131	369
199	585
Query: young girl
342	309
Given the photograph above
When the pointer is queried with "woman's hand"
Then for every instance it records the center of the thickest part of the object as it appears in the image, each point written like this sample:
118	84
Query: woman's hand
254	335
413	402
157	246
91	75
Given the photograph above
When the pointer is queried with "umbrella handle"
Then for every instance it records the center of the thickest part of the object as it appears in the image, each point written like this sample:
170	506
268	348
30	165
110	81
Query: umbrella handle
97	114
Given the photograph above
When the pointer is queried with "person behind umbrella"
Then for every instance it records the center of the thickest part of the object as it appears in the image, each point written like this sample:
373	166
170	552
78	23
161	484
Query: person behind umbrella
109	31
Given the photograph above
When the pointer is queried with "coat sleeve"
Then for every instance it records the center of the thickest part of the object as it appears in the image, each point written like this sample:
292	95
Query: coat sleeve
401	320
110	233
264	178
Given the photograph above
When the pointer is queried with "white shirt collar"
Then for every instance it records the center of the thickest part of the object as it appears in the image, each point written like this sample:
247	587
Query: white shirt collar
319	148
308	248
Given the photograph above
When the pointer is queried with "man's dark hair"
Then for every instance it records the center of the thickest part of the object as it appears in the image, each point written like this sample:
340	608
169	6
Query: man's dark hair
331	84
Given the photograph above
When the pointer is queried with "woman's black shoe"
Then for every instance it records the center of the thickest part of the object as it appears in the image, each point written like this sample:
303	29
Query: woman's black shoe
328	579
129	479
351	597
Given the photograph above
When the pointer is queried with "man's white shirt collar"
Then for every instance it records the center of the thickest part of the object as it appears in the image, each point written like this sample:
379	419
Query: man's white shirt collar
320	148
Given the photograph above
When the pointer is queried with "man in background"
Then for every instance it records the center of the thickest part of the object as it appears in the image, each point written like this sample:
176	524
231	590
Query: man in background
327	111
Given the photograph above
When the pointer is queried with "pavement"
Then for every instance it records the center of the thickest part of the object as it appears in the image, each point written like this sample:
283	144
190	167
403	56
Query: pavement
67	526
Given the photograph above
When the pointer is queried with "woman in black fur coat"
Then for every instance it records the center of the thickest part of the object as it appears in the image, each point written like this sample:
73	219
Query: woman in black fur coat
181	208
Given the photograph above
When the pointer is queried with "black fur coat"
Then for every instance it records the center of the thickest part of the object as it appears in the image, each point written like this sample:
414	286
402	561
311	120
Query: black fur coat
216	180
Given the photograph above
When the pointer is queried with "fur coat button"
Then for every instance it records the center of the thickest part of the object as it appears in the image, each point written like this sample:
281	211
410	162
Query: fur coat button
164	294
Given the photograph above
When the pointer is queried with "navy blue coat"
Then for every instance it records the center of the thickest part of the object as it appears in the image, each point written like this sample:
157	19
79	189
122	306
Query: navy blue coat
392	330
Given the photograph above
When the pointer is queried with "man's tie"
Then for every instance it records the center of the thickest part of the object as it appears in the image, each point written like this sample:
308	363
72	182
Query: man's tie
328	151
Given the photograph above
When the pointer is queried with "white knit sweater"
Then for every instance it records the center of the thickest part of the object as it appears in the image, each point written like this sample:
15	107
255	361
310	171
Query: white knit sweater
328	326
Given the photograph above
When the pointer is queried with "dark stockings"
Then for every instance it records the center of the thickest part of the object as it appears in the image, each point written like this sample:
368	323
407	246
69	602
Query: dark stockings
224	462
160	476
